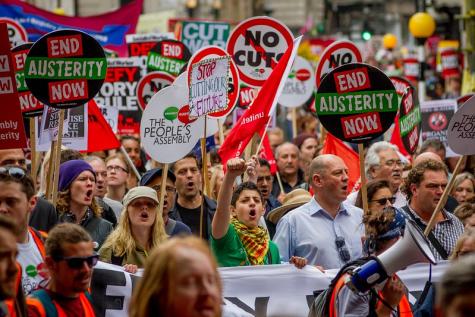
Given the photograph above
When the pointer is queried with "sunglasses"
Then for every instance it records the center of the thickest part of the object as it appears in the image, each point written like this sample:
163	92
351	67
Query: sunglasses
78	262
342	249
382	201
13	171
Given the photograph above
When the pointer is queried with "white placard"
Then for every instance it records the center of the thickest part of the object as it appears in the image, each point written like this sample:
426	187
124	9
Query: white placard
300	84
461	130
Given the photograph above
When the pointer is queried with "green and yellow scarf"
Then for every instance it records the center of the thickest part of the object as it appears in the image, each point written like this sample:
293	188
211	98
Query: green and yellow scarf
255	241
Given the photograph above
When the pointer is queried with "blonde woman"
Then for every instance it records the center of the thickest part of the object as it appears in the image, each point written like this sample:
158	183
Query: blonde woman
180	279
140	229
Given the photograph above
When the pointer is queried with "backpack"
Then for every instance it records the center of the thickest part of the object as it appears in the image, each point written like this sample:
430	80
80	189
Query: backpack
321	304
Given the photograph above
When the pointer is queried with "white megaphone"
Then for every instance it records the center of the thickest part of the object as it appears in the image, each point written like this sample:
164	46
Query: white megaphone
412	248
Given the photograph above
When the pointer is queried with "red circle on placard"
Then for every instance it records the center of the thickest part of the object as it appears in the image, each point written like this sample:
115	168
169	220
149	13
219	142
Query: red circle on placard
241	29
330	50
21	30
209	51
303	74
147	79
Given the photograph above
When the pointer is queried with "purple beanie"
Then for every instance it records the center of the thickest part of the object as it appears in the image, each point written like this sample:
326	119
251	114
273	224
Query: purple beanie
68	171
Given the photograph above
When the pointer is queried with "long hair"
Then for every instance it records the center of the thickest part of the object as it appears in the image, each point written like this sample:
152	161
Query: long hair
152	295
63	203
122	241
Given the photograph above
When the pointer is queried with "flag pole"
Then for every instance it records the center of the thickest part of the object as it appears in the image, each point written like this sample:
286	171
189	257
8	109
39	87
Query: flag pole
57	160
129	161
34	160
364	194
204	178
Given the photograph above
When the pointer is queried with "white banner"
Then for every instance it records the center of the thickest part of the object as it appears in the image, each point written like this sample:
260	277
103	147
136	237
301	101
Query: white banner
261	291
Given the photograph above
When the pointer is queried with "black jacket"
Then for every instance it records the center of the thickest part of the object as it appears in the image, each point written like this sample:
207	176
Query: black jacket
44	216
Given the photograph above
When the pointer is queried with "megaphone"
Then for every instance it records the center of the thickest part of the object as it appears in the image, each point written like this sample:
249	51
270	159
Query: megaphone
412	248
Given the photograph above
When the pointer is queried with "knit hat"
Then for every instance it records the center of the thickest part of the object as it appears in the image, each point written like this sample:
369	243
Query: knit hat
151	174
70	170
138	192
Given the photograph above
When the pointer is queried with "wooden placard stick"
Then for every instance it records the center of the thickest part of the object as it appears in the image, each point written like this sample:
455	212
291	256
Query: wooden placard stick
34	159
163	188
57	160
443	198
364	194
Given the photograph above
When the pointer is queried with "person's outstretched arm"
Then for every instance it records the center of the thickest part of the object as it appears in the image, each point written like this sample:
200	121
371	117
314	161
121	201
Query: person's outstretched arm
221	219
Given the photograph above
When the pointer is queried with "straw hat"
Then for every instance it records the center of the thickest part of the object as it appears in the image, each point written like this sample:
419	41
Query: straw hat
292	200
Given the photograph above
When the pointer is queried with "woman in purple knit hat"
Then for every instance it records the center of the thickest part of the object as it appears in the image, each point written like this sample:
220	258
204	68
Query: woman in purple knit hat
76	201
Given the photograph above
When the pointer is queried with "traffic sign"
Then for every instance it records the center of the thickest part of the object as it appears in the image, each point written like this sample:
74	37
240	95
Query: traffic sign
337	54
356	102
256	45
150	84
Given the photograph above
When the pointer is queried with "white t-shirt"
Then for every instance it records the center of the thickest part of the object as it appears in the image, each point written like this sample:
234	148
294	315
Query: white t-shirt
33	268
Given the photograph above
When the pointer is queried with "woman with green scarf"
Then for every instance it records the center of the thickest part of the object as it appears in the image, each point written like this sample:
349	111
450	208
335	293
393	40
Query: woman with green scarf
237	239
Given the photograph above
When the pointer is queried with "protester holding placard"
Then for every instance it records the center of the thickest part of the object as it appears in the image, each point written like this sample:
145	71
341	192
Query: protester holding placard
140	229
76	201
239	240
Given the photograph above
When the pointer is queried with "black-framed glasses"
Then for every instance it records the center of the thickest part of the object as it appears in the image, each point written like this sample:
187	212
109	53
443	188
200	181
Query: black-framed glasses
170	190
383	201
78	262
116	168
13	171
342	249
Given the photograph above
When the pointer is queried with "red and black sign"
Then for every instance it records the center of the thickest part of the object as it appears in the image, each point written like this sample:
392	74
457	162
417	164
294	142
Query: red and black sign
168	56
30	106
356	102
410	118
65	68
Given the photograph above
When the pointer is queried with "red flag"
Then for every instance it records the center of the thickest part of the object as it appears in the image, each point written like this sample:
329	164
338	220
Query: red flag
255	118
266	153
397	140
100	135
333	145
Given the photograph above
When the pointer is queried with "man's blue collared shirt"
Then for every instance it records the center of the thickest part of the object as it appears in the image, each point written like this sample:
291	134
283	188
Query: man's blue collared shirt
310	232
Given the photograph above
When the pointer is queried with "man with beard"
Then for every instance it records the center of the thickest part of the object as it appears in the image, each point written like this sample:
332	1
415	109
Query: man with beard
424	187
189	197
383	162
326	231
287	158
153	179
70	258
43	217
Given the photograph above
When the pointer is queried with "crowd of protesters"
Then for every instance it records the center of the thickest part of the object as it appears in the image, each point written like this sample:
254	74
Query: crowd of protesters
305	214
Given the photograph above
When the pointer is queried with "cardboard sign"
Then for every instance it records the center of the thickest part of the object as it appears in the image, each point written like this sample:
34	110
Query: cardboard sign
298	88
65	68
208	86
16	32
410	120
12	131
119	91
198	34
256	45
30	106
356	102
141	44
75	129
461	130
111	114
168	56
337	54
411	68
436	115
401	84
246	96
232	77
150	84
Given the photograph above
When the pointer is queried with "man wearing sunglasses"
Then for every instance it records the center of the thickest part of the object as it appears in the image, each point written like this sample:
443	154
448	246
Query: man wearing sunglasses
70	258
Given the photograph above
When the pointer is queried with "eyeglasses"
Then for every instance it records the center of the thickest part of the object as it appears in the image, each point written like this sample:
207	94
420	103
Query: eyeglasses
391	163
13	171
342	249
383	201
116	168
78	262
170	190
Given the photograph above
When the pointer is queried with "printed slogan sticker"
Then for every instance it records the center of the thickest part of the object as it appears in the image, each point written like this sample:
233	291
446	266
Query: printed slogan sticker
356	102
65	68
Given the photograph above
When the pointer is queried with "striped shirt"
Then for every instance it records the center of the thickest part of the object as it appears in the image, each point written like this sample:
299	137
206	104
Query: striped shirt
446	231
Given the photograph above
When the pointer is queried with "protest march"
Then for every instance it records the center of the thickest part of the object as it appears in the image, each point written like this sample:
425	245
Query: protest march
203	162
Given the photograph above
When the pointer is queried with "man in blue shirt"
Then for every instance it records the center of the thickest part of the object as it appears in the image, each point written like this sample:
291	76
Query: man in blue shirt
325	231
